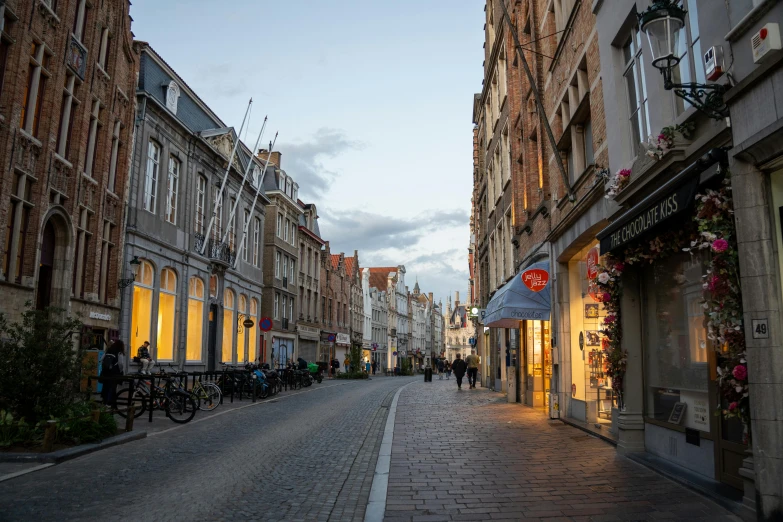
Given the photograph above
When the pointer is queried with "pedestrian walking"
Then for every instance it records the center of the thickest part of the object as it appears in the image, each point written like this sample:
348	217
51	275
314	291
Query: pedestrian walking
374	366
347	364
144	357
368	366
441	368
447	367
472	361
335	366
459	367
111	368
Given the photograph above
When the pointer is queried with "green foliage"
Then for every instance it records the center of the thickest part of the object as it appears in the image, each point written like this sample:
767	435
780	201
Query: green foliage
406	367
13	431
83	430
352	375
41	365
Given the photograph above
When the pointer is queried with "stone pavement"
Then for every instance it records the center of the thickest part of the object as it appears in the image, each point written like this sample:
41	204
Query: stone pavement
469	455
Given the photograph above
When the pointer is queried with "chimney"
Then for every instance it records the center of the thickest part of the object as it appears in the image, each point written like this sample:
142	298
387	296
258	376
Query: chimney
274	159
430	296
456	299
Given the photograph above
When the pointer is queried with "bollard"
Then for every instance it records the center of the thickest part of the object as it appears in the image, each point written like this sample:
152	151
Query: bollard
129	418
95	415
49	435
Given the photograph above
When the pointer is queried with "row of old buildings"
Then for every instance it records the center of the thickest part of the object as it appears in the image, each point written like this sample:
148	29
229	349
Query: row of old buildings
129	202
627	179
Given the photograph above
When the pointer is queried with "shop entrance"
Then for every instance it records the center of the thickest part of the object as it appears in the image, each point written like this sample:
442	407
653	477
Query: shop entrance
538	348
212	337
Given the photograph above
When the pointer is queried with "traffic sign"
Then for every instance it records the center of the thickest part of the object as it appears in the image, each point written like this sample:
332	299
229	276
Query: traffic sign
265	324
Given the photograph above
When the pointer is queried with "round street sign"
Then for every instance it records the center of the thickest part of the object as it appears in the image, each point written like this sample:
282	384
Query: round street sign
248	323
331	338
394	353
265	324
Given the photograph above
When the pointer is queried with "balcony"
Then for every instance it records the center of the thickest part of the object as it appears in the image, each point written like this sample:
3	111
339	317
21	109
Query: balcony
215	250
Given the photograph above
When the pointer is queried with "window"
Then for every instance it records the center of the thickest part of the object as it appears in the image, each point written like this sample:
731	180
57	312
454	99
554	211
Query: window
241	357
80	20
229	326
151	176
636	90
83	237
141	313
66	116
252	340
279	225
285	307
92	144
36	86
257	242
562	11
217	227
277	306
330	317
51	4
103	54
285	267
166	308
691	66
195	319
6	21
172	190
291	308
115	154
287	227
293	233
291	276
16	231
245	224
201	193
676	368
232	220
277	265
107	247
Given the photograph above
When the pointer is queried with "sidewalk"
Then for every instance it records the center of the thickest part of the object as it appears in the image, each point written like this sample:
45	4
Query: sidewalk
469	455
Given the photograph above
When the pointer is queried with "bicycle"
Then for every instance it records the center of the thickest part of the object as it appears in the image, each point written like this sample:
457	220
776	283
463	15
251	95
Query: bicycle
178	403
207	395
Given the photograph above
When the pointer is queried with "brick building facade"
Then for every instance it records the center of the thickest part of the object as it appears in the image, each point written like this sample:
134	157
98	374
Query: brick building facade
67	83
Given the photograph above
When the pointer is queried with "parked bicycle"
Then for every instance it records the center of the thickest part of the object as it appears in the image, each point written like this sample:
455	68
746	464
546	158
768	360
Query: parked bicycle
177	402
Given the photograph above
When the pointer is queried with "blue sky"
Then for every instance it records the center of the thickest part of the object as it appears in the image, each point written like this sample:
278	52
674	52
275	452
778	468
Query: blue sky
373	103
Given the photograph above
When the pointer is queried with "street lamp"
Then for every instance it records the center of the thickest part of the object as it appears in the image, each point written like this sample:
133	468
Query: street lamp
662	22
134	264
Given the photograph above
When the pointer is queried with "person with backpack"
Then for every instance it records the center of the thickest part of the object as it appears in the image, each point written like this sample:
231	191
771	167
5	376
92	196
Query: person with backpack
447	367
111	368
441	368
459	367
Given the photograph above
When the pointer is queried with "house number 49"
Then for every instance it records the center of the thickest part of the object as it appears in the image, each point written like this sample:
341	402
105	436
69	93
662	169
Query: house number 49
760	329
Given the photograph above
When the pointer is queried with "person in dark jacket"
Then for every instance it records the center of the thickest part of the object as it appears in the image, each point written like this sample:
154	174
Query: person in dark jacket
302	363
441	368
459	367
110	367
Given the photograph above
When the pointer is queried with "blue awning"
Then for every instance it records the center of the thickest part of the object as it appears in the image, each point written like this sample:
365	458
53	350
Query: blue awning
516	302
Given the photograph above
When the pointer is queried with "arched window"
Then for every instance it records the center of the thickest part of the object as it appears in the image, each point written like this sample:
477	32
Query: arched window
213	284
141	314
195	319
201	201
229	325
241	329
166	306
252	340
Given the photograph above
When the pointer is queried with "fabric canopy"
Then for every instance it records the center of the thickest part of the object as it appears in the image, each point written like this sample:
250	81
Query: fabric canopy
515	301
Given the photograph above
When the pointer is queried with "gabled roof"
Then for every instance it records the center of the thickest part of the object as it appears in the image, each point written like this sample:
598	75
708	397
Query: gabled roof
378	276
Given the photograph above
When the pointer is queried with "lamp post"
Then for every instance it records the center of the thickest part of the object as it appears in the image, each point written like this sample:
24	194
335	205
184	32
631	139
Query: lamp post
134	264
663	22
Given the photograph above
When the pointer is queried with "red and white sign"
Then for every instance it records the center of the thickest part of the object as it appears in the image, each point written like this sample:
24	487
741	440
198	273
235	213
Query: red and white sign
535	279
592	273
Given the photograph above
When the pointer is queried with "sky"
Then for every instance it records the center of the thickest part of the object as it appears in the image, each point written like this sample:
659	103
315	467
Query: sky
372	100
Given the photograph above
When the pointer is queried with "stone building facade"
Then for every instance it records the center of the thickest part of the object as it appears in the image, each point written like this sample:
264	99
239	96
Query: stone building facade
336	298
281	255
67	82
310	243
392	279
379	326
195	289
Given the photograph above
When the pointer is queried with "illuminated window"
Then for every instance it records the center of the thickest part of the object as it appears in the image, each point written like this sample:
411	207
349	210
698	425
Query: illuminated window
141	315
195	318
241	329
229	325
252	340
166	306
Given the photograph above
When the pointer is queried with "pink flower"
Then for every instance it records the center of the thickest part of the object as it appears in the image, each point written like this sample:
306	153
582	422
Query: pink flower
740	372
713	282
720	245
661	137
619	266
624	173
606	297
609	319
733	406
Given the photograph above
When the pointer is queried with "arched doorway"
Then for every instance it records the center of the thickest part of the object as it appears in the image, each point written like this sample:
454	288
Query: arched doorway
46	267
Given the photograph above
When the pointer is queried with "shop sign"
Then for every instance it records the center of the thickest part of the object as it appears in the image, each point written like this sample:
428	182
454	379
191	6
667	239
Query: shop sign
343	339
535	279
635	222
307	331
100	316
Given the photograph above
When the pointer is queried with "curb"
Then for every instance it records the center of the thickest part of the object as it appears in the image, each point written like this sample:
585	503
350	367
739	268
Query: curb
59	456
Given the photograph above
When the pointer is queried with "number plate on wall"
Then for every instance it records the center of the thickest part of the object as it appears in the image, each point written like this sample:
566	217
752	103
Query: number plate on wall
760	329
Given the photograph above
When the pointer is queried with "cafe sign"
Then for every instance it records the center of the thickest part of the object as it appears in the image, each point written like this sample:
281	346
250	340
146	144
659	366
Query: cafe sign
647	215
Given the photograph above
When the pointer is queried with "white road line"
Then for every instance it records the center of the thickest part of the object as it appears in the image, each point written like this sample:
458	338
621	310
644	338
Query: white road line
25	471
376	507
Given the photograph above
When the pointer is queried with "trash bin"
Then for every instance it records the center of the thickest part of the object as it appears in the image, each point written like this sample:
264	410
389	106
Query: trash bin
428	375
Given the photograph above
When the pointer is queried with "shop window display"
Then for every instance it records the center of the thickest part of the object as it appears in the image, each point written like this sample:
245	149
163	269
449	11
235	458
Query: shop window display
229	325
166	310
676	362
141	317
195	319
539	362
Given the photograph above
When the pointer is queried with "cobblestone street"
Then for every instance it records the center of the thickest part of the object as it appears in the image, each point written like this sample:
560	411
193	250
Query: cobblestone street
305	456
469	455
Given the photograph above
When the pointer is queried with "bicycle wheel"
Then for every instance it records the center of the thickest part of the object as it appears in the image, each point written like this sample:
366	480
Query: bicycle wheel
210	397
180	407
262	391
138	400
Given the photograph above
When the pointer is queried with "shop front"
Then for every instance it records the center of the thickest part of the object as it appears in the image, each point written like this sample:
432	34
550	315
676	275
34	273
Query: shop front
661	267
519	314
282	350
308	338
342	349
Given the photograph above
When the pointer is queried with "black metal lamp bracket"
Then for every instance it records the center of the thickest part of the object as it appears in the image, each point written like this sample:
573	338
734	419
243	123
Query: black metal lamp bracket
708	98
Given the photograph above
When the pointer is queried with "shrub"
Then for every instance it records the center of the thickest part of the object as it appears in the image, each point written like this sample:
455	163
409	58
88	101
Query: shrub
352	375
41	366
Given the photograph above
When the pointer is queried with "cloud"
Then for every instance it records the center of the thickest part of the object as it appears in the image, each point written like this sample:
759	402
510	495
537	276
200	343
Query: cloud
305	160
219	81
367	232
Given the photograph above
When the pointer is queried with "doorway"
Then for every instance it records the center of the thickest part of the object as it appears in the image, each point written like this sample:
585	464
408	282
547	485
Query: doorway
46	267
212	337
